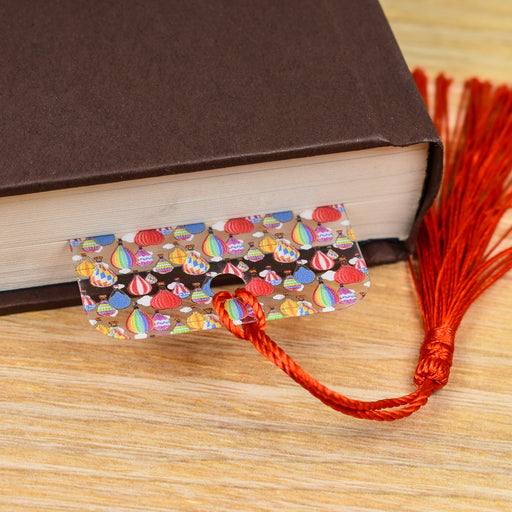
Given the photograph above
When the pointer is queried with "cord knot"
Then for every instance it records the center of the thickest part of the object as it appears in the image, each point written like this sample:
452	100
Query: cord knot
436	356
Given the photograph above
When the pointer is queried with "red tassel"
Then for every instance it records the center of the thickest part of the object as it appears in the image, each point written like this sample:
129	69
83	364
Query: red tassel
459	254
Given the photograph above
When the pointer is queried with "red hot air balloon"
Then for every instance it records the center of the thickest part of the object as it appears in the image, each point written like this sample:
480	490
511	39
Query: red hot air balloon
347	274
258	286
164	299
238	226
326	214
148	237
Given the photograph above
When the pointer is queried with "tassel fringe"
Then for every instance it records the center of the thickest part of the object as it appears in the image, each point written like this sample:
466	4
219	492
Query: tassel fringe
459	255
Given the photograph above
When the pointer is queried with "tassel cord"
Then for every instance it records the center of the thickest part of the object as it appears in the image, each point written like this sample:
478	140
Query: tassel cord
457	258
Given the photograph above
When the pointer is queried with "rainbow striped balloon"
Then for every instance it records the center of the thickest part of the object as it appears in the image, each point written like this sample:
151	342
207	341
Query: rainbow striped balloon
213	246
302	234
139	322
236	310
123	257
324	296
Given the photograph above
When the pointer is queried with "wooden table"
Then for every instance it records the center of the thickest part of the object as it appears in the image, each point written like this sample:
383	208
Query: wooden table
204	423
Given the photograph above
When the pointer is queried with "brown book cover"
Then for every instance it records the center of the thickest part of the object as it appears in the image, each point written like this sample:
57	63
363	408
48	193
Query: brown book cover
96	92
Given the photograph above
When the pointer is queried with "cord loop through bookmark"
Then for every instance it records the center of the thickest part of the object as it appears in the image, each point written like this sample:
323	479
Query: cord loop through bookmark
460	250
255	333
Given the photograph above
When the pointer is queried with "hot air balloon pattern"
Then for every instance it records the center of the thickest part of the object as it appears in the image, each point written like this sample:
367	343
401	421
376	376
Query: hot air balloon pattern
213	246
90	245
118	299
211	321
238	226
161	322
302	234
253	254
289	307
163	266
116	332
285	252
305	308
258	286
149	237
180	328
235	245
104	239
321	261
342	242
274	314
181	233
271	276
139	322
199	296
347	296
178	288
150	278
86	267
236	309
347	274
122	257
196	320
268	243
104	308
324	296
164	299
178	256
139	286
102	276
291	284
304	275
285	216
196	228
270	222
87	302
229	268
325	214
144	257
323	234
195	264
165	230
288	260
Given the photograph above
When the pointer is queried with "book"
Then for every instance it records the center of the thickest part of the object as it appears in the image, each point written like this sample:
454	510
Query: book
122	117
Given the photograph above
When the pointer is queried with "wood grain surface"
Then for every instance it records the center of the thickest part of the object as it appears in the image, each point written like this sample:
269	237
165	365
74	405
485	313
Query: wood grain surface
202	422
